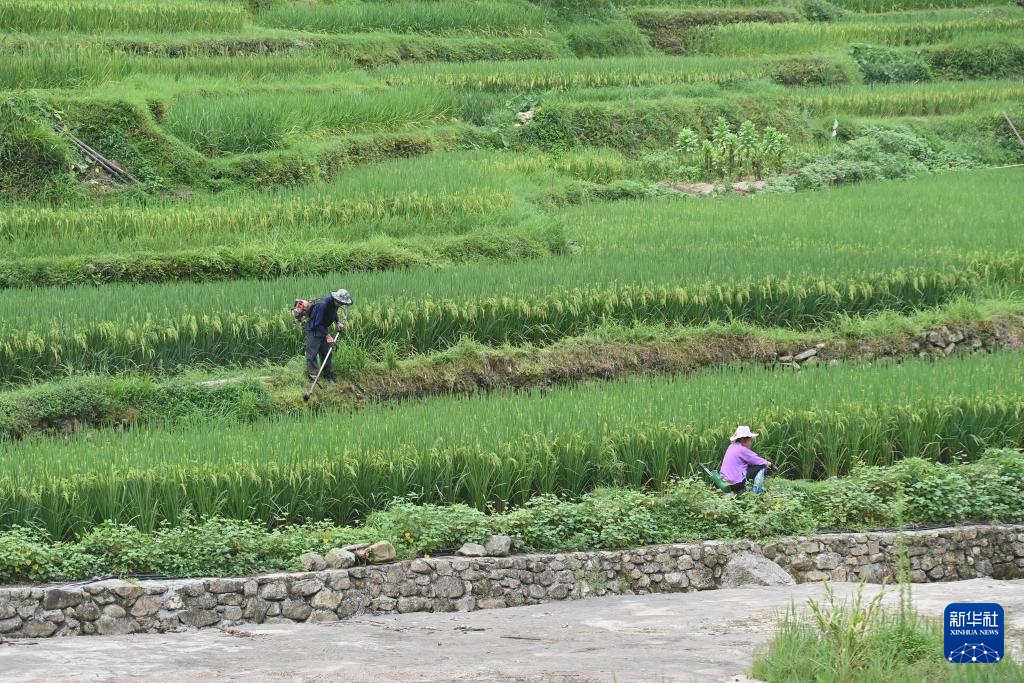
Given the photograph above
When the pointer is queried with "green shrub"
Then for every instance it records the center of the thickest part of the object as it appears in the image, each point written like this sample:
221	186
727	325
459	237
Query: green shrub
623	190
27	555
853	502
429	528
999	59
890	65
606	518
876	153
809	71
119	549
821	10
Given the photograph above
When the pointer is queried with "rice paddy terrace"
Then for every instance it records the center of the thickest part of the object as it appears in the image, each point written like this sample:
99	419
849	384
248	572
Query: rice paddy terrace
507	187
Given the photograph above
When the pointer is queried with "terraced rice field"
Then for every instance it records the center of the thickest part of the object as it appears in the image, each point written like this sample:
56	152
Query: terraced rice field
492	176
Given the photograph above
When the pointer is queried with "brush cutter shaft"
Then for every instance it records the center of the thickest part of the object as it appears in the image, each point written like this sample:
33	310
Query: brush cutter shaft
322	366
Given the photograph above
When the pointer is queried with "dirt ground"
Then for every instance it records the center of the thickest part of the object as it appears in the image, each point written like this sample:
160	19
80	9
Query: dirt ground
708	636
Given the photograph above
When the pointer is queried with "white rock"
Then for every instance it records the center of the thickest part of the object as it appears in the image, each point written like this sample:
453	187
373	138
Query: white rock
472	550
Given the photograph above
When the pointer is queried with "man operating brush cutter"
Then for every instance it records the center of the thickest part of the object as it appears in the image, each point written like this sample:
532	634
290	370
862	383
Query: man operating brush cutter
319	316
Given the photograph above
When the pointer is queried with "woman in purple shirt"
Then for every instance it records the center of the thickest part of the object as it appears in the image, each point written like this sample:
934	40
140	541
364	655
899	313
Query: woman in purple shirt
741	464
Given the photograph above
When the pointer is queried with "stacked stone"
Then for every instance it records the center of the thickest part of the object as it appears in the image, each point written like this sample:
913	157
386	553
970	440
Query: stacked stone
940	341
938	555
468	583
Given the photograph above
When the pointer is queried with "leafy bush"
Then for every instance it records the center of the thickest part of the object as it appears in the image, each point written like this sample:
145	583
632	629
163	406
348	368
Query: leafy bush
827	172
821	10
26	555
999	59
890	65
606	518
809	71
876	153
428	528
623	189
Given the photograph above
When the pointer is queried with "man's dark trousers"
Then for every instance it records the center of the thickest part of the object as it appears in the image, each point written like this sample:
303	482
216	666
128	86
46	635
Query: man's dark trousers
316	345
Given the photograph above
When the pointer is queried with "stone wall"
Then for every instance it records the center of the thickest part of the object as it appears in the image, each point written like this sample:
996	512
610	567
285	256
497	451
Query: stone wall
452	584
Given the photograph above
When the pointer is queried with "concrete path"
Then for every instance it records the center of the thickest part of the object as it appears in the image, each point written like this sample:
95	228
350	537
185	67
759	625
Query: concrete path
708	636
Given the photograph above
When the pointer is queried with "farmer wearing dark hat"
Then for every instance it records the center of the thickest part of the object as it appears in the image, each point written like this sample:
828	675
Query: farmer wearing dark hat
741	464
319	341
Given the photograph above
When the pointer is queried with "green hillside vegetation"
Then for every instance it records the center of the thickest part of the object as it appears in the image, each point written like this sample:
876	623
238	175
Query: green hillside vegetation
513	190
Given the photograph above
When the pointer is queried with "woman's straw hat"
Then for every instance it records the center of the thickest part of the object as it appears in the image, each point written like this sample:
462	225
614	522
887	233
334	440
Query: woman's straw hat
742	432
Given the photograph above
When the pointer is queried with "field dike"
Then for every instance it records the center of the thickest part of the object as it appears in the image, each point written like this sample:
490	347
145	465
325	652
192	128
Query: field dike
104	402
115	607
592	359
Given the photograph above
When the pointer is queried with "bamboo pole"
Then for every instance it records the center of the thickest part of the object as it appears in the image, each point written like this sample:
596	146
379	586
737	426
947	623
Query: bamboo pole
1013	128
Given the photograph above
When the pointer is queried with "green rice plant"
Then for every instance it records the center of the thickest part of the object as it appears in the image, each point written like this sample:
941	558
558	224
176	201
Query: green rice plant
642	120
405	198
755	39
365	49
568	75
879	6
919	99
515	17
263	261
106	15
634	433
716	4
819	256
69	67
252	123
169	344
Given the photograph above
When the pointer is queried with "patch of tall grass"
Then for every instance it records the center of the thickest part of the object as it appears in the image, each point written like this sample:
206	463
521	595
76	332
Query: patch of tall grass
257	122
859	639
773	39
503	450
32	16
513	17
